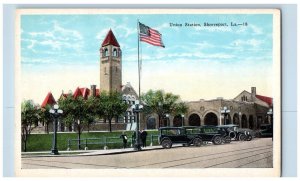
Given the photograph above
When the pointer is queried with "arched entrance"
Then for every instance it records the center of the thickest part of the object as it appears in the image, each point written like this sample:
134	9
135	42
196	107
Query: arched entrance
211	119
194	120
177	121
251	122
244	121
151	123
236	119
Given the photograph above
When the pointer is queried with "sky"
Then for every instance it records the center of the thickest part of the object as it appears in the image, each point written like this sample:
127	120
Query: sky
61	52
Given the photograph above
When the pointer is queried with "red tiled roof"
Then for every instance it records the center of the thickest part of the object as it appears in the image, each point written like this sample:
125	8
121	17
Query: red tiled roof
110	39
85	92
268	100
49	99
77	93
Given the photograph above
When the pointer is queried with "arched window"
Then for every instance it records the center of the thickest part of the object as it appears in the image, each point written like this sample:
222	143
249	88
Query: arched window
115	52
105	52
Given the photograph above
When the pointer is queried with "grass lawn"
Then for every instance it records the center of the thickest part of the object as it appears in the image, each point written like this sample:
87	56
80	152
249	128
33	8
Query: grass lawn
43	142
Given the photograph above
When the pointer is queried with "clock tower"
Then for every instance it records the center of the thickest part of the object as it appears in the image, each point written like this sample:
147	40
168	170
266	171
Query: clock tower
110	64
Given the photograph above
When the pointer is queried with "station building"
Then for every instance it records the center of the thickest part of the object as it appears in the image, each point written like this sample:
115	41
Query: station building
247	109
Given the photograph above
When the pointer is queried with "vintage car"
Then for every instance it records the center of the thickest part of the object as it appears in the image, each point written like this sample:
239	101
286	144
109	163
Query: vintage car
210	133
169	136
236	133
265	130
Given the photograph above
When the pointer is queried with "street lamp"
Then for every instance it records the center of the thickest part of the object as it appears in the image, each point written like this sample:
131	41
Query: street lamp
270	114
167	117
137	108
55	113
240	119
225	111
182	119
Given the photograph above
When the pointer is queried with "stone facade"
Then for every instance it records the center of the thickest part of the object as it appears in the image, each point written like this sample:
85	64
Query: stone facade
246	110
110	64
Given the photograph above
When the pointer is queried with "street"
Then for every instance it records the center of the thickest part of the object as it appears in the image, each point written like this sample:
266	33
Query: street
257	153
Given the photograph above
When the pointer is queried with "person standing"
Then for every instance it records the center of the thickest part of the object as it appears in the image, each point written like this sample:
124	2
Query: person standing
124	138
144	138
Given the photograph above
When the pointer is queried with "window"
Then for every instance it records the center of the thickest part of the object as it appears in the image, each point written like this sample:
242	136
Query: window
115	52
105	73
105	52
244	98
116	69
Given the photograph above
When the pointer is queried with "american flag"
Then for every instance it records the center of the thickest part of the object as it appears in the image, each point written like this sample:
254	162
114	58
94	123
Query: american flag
150	35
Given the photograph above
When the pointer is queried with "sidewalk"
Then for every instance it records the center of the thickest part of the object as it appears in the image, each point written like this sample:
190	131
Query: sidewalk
118	151
87	152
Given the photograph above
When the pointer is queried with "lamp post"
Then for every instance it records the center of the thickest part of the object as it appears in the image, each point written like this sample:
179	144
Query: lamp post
159	115
182	119
240	119
225	112
55	113
167	117
270	114
137	108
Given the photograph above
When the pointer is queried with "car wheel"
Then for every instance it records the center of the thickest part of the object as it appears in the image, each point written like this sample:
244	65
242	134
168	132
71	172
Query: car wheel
166	144
217	140
242	137
197	142
249	138
232	134
227	139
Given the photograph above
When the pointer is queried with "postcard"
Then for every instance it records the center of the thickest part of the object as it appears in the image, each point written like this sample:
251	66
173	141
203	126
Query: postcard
148	92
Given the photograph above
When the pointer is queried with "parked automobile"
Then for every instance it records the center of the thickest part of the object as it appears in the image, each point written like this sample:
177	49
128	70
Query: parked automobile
265	130
210	133
169	136
236	133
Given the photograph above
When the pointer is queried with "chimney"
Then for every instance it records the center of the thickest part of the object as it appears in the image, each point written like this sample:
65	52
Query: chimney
93	90
253	91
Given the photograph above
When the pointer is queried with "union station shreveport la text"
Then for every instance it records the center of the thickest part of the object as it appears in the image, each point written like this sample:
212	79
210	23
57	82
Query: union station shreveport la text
247	109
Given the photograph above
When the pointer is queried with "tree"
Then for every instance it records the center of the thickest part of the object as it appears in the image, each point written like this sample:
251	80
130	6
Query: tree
76	112
91	104
162	103
46	117
110	105
30	116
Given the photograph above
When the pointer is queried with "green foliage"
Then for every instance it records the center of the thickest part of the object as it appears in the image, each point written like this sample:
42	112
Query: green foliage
46	117
30	117
163	103
109	106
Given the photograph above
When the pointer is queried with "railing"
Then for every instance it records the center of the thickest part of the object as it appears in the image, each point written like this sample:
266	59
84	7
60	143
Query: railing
108	142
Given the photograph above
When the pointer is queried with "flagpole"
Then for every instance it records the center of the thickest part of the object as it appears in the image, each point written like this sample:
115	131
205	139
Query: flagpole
137	146
139	67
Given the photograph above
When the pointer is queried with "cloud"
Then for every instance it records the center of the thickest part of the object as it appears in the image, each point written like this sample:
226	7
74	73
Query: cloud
67	32
256	30
251	29
125	31
251	42
101	35
57	39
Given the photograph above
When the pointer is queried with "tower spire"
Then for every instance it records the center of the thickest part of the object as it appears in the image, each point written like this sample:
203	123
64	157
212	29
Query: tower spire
110	39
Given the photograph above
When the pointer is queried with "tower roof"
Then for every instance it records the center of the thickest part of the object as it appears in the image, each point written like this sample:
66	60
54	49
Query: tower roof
49	99
110	39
